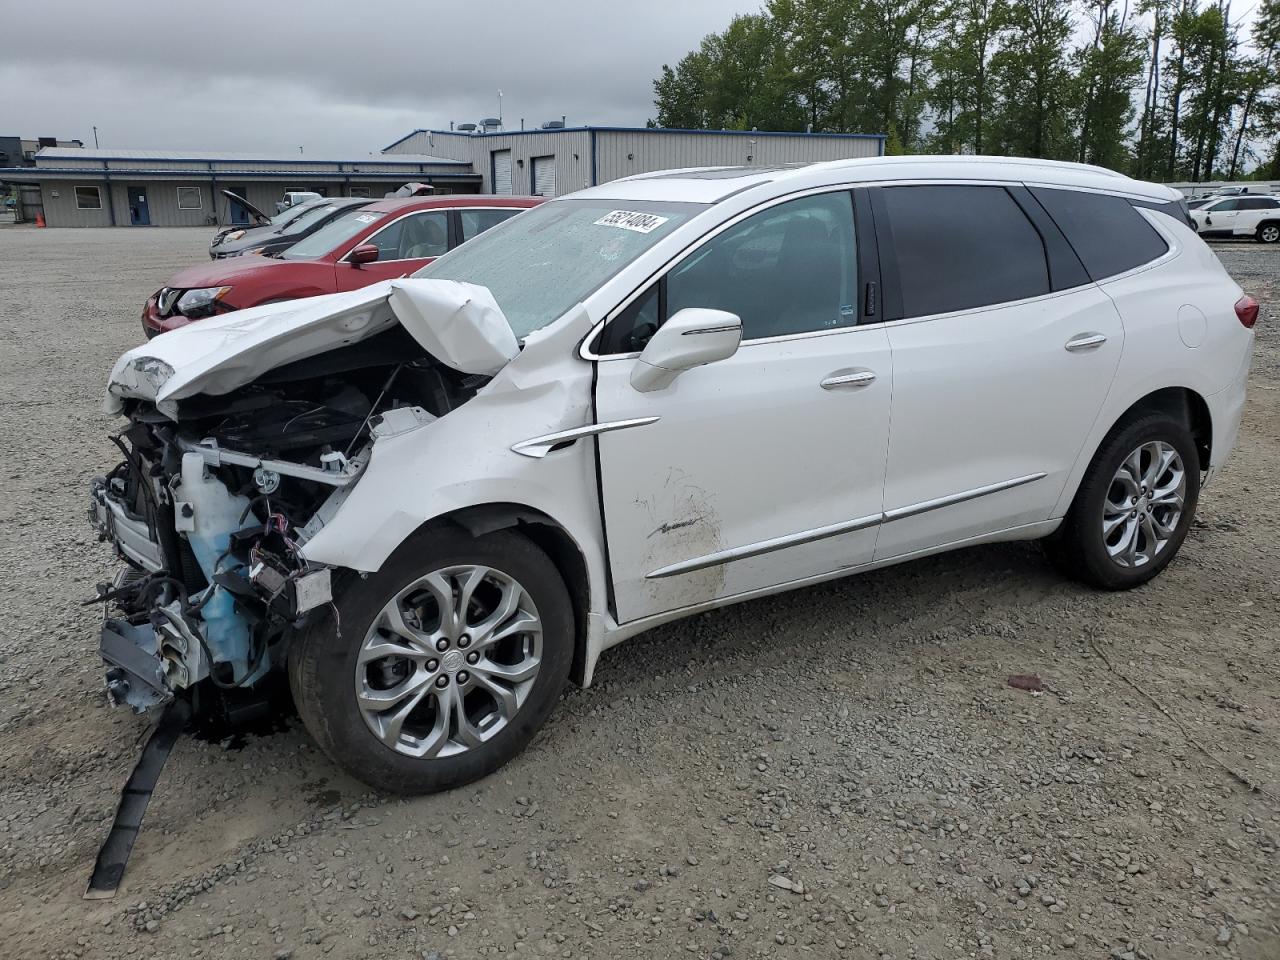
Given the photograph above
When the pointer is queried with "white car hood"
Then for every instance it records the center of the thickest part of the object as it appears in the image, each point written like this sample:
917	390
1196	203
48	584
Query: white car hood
460	324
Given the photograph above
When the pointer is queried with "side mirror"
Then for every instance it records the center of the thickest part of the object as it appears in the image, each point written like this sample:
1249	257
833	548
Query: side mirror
693	337
365	253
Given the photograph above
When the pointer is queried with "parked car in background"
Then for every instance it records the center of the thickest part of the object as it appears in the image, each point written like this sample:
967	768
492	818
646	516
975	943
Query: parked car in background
1252	215
258	220
294	197
272	238
375	241
434	500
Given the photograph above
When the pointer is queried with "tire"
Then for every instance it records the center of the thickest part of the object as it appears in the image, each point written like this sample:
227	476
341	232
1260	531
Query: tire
1082	551
329	663
1269	232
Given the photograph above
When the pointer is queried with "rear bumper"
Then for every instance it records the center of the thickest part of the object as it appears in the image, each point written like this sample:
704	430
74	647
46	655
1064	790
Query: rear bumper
1226	407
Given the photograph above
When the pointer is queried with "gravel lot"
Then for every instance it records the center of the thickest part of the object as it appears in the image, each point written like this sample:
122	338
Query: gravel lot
842	771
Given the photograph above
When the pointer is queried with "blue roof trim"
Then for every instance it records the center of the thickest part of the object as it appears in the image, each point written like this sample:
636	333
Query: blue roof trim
592	129
93	173
440	161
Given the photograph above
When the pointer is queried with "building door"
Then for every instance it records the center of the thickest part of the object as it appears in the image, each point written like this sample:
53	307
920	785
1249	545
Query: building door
139	215
240	215
502	172
544	176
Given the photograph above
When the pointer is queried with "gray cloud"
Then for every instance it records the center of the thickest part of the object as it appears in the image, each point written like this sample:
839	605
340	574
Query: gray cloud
336	78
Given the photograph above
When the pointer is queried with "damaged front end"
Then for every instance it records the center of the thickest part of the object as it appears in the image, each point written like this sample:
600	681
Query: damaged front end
244	433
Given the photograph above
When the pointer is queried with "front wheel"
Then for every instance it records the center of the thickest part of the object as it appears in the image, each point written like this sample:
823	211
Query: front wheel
440	667
1134	506
1269	233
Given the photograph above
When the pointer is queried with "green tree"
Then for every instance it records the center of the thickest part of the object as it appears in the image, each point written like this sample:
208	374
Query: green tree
962	62
1108	69
1033	81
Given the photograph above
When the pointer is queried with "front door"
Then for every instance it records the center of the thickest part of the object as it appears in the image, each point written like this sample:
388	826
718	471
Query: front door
765	468
997	380
139	215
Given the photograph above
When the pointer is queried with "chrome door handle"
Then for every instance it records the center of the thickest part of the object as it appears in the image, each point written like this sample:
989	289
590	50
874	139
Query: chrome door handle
859	379
1085	341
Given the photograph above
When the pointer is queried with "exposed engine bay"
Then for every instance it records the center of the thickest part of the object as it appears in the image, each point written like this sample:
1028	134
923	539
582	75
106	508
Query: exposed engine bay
217	493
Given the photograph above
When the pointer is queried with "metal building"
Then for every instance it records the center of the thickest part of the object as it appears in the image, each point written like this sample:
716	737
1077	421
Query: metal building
551	162
102	188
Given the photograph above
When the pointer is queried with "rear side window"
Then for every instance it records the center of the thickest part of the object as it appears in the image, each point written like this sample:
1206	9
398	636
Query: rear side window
958	247
1258	203
1108	234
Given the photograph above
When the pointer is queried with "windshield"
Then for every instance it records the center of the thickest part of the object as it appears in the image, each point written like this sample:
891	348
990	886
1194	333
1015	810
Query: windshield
539	264
291	213
332	235
309	217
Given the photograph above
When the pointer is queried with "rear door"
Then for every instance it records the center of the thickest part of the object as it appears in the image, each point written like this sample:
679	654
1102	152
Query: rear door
1253	210
1003	352
765	468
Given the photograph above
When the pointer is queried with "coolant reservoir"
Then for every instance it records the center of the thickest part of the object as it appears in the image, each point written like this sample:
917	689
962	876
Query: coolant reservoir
209	515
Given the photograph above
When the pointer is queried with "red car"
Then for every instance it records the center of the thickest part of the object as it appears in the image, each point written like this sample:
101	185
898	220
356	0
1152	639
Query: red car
381	241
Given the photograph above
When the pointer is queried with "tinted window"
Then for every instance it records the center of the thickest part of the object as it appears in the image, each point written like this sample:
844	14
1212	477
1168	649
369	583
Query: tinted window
476	222
962	247
1109	235
1223	206
1258	203
789	269
413	237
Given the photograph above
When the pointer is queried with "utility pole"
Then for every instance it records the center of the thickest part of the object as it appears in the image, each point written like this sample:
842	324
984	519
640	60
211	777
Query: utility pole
499	108
95	138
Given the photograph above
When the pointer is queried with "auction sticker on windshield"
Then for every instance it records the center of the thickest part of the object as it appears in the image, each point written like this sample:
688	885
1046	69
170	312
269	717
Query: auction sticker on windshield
632	220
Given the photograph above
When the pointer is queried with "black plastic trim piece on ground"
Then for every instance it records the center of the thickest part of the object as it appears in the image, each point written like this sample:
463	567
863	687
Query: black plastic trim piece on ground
114	854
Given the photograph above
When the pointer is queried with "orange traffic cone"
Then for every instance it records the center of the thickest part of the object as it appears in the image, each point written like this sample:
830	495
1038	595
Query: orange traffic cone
39	219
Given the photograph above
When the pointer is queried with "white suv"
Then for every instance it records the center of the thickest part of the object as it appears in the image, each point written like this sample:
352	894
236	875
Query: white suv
1242	216
435	500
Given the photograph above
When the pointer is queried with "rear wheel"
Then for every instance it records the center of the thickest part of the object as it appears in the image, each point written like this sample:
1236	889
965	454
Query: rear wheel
1269	233
1134	506
440	667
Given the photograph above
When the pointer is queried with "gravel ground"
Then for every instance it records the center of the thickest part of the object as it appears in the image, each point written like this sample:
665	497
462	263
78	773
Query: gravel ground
841	771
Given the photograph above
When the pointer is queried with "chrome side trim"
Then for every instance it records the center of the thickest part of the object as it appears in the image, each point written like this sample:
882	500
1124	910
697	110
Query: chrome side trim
764	546
725	328
836	529
901	513
539	447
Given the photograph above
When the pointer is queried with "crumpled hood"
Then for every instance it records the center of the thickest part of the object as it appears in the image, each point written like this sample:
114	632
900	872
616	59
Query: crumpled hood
460	324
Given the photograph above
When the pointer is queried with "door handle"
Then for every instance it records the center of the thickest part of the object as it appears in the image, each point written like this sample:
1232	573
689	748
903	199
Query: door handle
1085	341
859	379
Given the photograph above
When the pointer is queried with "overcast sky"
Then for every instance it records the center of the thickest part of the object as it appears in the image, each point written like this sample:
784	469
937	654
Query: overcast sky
336	78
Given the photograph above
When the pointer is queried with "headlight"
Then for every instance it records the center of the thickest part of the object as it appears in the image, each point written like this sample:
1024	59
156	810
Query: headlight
200	302
233	235
249	253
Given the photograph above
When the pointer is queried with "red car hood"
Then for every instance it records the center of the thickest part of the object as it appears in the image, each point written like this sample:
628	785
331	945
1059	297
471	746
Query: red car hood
222	272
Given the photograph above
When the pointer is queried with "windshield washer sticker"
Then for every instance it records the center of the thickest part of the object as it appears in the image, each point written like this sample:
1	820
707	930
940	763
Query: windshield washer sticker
632	220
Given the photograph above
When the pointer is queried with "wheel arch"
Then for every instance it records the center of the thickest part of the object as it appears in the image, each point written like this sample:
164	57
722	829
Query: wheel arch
1185	404
549	536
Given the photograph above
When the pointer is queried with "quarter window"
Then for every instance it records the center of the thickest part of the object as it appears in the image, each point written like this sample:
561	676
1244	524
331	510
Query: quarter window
959	247
1109	235
88	198
476	222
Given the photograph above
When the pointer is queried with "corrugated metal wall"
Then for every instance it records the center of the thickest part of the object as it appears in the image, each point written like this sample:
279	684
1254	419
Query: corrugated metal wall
625	154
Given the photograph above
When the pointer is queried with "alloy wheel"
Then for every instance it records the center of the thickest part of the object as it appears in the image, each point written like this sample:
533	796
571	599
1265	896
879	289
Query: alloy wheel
1270	233
1144	504
449	661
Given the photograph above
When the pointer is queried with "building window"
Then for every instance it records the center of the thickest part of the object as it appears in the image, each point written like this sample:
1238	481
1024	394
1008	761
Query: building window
189	198
88	198
359	191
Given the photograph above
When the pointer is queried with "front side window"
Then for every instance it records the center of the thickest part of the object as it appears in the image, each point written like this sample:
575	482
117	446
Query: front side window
476	222
960	247
332	235
88	198
559	253
1224	206
1107	233
413	237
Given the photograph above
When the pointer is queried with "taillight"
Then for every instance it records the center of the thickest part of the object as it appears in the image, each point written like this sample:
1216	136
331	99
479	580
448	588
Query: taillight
1247	311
